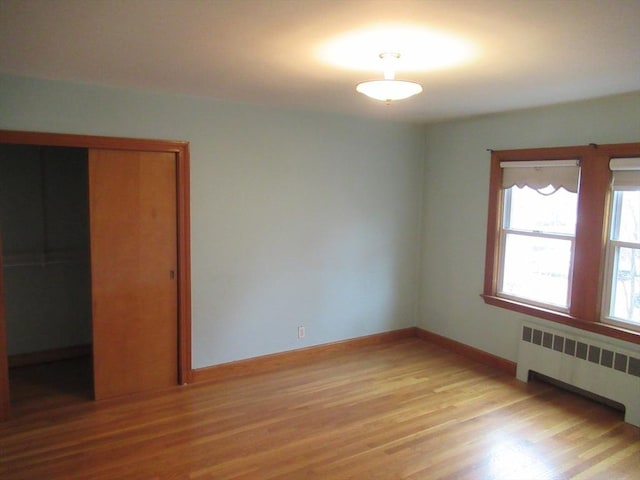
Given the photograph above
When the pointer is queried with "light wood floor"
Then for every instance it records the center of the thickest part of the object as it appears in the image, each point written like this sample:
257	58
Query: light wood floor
405	410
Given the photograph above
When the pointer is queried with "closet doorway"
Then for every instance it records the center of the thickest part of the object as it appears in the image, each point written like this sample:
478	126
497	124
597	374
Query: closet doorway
47	296
138	218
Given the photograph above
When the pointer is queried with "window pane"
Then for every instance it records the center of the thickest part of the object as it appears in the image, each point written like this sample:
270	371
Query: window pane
548	212
537	269
625	292
627	224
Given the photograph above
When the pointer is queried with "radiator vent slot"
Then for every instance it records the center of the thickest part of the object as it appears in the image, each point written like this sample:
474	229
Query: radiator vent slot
585	363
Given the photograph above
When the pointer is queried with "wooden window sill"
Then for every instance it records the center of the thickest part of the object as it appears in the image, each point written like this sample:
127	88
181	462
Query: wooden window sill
565	319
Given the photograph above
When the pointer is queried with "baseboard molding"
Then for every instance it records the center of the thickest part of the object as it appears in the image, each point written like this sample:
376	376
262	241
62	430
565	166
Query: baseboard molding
465	350
46	356
267	363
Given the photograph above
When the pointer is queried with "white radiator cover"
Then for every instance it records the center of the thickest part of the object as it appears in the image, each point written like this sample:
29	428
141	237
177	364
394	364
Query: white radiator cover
583	362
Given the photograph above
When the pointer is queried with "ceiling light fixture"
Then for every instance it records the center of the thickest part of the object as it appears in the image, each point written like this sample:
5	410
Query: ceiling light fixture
389	89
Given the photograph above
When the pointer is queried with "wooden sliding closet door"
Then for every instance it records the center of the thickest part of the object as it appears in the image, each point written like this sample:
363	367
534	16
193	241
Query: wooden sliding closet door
132	202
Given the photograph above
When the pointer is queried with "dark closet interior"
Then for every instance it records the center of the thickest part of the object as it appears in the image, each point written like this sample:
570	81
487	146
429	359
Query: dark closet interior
44	229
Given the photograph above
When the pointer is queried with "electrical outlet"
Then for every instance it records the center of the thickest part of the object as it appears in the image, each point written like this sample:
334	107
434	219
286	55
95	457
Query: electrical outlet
301	331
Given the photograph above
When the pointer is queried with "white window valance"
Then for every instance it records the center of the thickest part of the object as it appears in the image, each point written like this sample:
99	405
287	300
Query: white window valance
541	174
626	173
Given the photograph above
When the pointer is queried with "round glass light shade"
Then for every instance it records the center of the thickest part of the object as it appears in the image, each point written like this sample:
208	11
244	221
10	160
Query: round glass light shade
389	90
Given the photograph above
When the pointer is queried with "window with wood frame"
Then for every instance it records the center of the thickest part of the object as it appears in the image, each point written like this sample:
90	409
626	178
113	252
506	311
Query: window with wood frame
563	236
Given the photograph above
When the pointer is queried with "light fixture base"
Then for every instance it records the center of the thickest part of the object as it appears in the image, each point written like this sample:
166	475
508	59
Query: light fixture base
389	55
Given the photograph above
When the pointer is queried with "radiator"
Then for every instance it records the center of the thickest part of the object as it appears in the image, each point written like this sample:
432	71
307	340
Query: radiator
603	369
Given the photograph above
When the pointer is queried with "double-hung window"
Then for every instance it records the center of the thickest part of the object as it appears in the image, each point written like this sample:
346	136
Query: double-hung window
622	273
563	236
537	238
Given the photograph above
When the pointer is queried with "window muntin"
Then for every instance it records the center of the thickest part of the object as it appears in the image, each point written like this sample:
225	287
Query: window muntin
537	244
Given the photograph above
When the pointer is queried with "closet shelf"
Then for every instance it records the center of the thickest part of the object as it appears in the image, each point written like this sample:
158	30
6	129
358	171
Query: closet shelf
42	259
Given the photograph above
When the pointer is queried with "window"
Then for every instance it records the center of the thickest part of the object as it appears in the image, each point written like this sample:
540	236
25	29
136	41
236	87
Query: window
563	236
538	229
622	278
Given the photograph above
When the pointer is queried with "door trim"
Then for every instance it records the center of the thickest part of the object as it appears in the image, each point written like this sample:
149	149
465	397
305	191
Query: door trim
181	151
4	360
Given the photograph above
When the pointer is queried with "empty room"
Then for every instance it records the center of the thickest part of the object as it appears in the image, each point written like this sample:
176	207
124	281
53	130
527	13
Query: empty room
319	239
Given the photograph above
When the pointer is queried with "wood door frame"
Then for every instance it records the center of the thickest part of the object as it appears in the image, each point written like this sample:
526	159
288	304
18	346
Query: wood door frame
181	151
4	361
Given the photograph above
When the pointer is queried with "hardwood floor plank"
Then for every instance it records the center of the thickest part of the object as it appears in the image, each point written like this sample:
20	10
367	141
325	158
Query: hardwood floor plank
407	409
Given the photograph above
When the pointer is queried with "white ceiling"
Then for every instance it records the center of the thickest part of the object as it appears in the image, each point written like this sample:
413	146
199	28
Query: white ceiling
527	52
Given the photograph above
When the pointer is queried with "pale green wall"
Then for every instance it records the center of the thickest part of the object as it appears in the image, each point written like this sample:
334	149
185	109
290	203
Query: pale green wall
297	217
456	195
